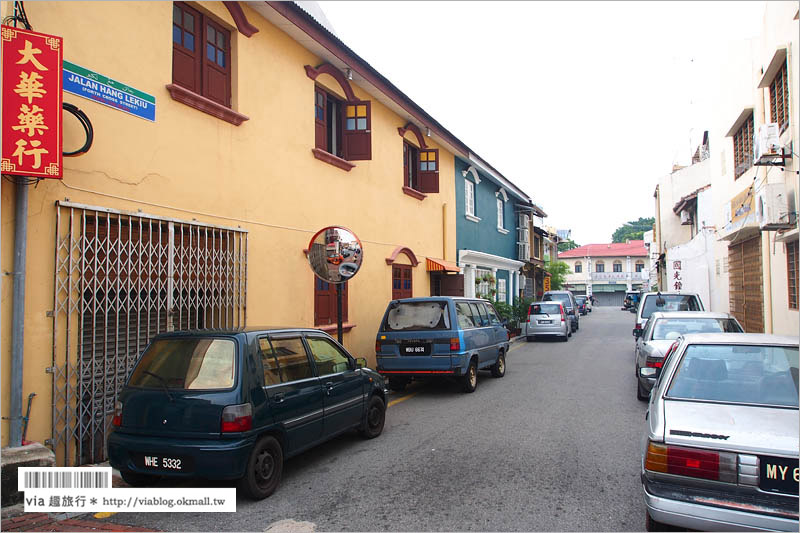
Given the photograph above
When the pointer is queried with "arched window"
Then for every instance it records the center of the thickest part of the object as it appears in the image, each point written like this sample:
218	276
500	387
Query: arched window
639	266
617	266
599	266
578	267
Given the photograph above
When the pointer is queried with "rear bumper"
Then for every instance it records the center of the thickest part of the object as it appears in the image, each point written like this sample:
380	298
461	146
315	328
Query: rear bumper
210	459
697	516
418	366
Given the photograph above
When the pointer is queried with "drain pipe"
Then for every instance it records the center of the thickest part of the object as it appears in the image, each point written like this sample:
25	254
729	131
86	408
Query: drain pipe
18	312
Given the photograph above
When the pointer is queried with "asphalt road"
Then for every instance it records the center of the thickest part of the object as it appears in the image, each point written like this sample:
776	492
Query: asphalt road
552	446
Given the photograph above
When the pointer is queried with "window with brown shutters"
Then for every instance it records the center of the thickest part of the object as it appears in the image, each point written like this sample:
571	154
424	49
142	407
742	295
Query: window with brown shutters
792	274
779	99
743	148
342	128
325	302
401	281
410	166
200	54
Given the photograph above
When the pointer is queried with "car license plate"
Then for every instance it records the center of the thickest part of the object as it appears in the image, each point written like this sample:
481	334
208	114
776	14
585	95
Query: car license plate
161	462
545	322
415	349
778	474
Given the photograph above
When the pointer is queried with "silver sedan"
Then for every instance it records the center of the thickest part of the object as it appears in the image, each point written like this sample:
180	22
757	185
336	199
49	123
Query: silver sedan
720	452
661	331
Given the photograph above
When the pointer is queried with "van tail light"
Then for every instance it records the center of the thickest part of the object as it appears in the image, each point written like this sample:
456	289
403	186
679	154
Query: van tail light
455	344
637	326
653	363
377	346
563	316
237	418
529	313
117	420
691	462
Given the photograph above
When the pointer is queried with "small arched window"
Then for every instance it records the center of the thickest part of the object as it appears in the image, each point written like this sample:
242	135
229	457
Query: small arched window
617	266
639	266
599	266
578	267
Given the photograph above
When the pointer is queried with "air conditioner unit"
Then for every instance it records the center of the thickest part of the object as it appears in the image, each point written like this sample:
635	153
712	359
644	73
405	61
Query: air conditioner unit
772	212
766	143
686	218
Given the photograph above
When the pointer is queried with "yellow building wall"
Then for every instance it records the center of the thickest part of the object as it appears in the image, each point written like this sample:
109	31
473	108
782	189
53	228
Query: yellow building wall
189	165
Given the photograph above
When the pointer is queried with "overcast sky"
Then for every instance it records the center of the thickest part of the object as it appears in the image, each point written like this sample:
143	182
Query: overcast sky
583	105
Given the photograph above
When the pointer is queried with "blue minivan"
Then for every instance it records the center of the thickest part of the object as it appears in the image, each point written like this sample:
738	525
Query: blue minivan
440	335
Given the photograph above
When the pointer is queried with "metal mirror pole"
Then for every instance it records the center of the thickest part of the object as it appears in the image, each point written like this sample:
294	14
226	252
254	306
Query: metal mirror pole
339	312
18	313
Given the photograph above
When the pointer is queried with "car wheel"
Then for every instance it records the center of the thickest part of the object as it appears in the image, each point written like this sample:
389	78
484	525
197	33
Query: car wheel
499	368
264	469
470	379
652	525
641	394
529	338
374	418
565	338
135	479
397	384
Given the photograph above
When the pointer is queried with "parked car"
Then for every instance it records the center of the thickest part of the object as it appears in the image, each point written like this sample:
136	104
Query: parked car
589	303
652	302
547	319
570	305
442	335
720	452
581	302
234	404
653	342
631	299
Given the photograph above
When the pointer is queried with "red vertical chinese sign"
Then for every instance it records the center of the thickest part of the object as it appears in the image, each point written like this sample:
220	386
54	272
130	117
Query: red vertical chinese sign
31	103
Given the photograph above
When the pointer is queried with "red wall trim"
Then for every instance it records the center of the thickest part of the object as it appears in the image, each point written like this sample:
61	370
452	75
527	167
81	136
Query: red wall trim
331	159
414	193
201	103
402	250
415	130
327	68
242	24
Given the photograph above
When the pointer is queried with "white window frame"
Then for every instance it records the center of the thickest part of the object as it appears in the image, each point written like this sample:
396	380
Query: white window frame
469	200
501	290
500	213
482	288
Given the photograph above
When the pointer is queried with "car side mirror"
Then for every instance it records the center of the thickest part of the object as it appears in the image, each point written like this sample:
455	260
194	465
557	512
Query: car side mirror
361	362
637	333
649	372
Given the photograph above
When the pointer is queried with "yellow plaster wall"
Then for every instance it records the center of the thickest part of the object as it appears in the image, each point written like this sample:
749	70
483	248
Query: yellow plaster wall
188	165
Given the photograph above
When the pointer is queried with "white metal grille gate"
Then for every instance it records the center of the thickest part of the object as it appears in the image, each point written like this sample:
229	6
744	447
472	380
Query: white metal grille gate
120	279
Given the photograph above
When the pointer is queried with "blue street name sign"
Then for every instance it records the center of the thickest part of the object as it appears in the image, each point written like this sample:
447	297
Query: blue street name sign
88	84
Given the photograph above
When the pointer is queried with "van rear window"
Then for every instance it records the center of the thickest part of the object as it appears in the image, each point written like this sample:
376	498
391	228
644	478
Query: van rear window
186	364
417	316
546	309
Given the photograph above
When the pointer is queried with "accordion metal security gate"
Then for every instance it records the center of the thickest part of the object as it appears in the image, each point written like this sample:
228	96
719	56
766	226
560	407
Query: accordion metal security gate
121	279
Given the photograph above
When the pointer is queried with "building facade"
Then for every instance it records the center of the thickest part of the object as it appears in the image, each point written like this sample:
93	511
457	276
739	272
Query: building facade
606	271
267	128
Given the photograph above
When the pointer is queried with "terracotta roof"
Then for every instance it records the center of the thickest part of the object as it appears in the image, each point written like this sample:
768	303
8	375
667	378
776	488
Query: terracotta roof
617	249
684	201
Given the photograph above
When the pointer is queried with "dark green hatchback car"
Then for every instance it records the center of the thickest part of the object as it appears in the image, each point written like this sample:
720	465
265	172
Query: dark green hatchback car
234	404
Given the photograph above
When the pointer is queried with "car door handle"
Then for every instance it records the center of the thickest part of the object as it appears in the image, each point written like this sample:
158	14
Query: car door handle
329	387
278	398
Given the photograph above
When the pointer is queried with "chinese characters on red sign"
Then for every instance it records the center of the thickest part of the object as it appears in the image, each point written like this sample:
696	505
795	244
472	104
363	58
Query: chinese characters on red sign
676	265
31	103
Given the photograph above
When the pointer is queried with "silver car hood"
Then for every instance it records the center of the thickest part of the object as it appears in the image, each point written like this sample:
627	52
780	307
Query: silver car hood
743	428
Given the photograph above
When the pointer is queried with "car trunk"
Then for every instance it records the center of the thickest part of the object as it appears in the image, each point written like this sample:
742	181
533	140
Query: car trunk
657	348
743	428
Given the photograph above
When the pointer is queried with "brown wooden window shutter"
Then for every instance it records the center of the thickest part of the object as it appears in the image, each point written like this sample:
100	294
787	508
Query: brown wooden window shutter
187	42
357	131
325	302
401	281
201	54
320	117
429	170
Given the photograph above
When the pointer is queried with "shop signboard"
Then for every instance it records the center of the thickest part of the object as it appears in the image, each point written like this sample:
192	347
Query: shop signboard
31	103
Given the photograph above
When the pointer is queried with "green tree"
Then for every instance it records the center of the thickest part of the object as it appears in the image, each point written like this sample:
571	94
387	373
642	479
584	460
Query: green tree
569	244
633	230
558	273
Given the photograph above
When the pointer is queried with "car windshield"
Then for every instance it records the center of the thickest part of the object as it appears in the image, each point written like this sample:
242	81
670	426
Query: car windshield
186	363
738	374
546	309
671	302
417	316
558	297
672	328
580	299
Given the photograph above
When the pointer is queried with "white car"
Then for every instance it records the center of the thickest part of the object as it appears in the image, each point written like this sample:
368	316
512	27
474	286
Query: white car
652	302
720	452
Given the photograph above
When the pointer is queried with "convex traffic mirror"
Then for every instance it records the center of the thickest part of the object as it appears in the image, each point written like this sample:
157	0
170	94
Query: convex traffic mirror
335	254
